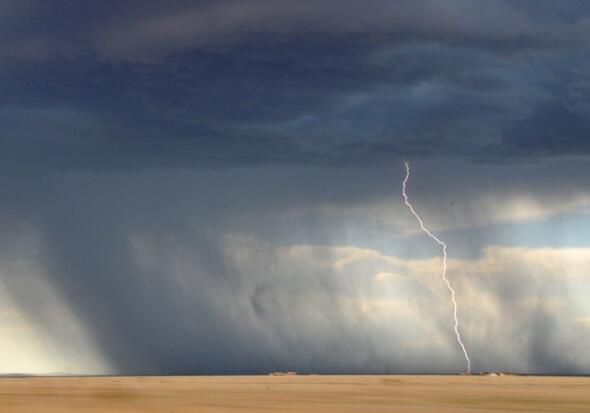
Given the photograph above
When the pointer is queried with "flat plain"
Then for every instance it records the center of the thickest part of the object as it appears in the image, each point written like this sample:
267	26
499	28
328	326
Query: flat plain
303	393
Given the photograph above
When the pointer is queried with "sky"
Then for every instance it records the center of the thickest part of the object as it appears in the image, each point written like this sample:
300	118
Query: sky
214	187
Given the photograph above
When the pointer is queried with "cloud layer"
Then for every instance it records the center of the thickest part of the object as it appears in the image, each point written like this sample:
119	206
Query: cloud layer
260	269
265	82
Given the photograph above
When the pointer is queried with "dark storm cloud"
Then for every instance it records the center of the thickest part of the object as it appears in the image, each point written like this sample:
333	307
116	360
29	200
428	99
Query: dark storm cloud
253	81
552	128
134	29
141	256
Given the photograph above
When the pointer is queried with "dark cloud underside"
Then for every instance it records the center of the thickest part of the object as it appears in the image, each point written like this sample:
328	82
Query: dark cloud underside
259	81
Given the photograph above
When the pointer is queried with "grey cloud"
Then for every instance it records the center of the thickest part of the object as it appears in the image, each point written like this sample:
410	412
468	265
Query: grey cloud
177	271
146	29
534	320
172	309
551	129
415	78
294	105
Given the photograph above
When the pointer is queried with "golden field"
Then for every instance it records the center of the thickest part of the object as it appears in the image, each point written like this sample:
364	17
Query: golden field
306	393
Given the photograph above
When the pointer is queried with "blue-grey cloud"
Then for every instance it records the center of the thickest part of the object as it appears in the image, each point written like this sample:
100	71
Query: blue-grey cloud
336	82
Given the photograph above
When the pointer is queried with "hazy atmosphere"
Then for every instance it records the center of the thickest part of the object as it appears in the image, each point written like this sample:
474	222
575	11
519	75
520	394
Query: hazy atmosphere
215	186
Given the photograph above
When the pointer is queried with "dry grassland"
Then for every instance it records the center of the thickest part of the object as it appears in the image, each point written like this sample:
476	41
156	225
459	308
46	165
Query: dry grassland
296	394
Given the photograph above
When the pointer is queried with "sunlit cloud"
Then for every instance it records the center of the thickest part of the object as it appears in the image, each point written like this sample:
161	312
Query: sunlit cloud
39	333
531	282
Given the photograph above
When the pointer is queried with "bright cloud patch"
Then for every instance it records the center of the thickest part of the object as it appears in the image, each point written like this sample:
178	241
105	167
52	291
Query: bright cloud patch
39	333
515	303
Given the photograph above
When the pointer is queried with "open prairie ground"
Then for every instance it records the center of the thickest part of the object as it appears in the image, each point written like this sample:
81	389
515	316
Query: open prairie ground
306	393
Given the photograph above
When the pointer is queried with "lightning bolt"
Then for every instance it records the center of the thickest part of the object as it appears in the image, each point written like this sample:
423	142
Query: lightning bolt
444	266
